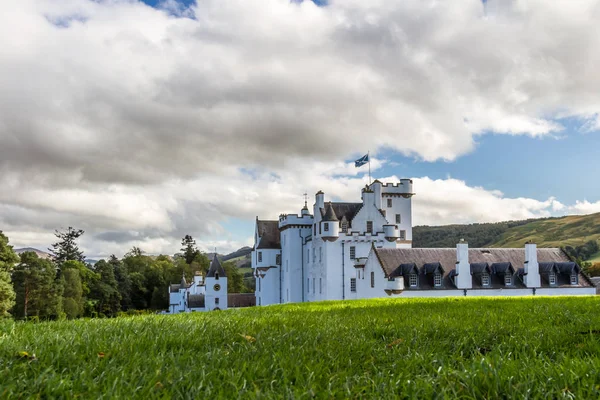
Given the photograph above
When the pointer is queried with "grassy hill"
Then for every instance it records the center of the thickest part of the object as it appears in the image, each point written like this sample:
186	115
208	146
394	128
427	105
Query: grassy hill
575	230
386	348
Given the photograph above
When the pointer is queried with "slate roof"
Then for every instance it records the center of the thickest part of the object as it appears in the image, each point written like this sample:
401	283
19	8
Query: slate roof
495	261
329	214
215	267
341	210
269	235
196	301
174	288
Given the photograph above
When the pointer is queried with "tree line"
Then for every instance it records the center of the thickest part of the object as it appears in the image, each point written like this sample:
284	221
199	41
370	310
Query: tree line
65	286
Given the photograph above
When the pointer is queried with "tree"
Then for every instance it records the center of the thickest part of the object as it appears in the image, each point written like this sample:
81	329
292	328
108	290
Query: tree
189	249
235	280
38	292
66	248
73	293
593	270
123	281
106	290
8	258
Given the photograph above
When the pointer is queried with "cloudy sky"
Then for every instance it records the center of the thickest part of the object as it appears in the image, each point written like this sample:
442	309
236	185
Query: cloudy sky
142	122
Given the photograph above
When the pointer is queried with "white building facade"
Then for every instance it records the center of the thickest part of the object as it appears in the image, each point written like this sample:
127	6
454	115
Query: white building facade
364	250
202	294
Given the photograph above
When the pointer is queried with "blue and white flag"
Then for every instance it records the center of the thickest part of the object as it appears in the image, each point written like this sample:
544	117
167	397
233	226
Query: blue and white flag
362	161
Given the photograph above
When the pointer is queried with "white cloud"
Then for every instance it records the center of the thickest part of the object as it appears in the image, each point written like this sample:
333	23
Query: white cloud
126	120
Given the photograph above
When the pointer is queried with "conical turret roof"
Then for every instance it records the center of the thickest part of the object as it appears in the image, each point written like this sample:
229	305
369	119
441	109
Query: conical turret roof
215	267
329	213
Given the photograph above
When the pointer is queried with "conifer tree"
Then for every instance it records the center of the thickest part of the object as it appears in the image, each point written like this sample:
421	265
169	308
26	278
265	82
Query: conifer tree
189	249
66	248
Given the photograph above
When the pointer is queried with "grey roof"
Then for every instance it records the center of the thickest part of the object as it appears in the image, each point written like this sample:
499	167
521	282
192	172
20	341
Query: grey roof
496	261
183	283
196	301
174	288
431	268
343	210
329	214
215	267
567	267
269	235
547	267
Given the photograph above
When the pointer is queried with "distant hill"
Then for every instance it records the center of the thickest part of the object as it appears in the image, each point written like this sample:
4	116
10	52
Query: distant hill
40	253
574	230
244	251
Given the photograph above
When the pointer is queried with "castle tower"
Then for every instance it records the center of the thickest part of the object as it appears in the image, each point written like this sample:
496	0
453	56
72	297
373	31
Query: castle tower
216	287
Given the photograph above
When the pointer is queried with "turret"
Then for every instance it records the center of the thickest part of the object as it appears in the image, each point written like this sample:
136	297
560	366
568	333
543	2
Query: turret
330	225
304	210
392	233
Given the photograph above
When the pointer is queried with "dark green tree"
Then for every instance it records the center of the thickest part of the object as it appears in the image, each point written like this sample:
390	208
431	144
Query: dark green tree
66	248
38	291
106	290
189	249
73	293
123	281
8	258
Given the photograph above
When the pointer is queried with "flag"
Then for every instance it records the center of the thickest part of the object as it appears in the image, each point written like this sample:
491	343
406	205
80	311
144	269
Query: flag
362	161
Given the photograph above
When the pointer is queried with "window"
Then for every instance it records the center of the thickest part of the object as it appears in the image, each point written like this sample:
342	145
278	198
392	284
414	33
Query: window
320	285
352	252
344	227
216	300
402	235
278	259
216	275
353	285
307	285
315	229
573	279
372	279
507	279
552	278
287	293
314	286
485	279
287	265
314	256
398	218
358	273
260	256
326	226
389	203
412	280
259	285
437	279
369	226
308	254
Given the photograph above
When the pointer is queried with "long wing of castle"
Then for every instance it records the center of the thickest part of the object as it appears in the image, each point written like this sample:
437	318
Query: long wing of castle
364	250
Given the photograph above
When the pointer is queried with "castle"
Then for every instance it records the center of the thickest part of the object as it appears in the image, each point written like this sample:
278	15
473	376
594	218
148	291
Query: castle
200	294
364	250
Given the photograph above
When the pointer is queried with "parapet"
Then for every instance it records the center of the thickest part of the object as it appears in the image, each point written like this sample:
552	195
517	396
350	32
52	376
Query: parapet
405	186
293	219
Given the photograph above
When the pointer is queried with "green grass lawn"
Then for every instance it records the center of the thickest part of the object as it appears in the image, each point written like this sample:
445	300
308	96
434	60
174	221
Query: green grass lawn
442	348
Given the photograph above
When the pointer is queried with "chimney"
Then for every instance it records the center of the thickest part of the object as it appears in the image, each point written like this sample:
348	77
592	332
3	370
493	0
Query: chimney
368	196
532	268
376	188
463	267
319	203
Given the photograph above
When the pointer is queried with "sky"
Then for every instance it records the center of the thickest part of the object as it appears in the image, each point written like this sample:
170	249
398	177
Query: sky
143	122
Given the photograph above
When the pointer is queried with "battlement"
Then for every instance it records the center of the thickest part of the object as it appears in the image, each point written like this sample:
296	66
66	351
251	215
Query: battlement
293	219
405	186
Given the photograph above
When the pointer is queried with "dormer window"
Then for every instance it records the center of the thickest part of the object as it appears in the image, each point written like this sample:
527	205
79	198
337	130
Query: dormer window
485	279
507	279
552	278
412	280
573	279
344	227
437	279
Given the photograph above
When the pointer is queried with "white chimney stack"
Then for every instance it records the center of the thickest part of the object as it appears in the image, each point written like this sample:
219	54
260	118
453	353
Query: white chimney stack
532	268
463	267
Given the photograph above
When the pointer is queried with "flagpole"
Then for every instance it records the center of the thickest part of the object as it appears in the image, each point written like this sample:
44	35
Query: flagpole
369	158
